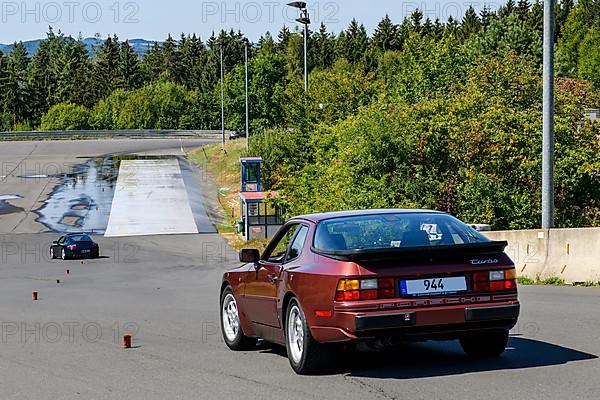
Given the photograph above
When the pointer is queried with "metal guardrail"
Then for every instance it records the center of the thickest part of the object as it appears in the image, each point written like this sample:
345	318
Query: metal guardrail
111	133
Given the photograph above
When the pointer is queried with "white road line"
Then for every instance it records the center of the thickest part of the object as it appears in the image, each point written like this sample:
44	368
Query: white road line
150	199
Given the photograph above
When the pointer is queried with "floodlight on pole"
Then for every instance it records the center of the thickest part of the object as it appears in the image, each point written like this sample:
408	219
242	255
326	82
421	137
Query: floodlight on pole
298	4
304	20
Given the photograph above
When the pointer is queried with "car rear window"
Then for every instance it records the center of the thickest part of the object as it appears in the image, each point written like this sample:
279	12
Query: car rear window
401	230
80	238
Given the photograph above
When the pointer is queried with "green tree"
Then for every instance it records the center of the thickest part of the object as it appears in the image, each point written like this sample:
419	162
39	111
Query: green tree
386	36
16	96
193	56
323	48
355	42
577	53
507	9
129	68
589	58
283	36
416	19
106	68
562	14
6	120
507	35
294	57
522	9
486	15
42	81
152	63
73	74
171	59
471	24
535	18
267	44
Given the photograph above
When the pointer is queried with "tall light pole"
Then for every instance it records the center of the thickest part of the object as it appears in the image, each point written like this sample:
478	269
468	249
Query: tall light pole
548	119
222	97
304	20
247	103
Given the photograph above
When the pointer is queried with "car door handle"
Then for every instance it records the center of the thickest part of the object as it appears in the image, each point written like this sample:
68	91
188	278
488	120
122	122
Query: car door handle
272	278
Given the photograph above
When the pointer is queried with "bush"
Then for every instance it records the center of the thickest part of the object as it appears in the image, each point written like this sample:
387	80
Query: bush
66	117
161	105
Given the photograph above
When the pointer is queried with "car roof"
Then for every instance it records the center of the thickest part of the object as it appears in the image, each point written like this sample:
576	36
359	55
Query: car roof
357	213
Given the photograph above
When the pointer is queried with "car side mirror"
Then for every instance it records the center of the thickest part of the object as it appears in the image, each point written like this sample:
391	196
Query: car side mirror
250	256
55	242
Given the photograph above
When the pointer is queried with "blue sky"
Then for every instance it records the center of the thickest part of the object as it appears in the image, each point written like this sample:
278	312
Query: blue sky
28	19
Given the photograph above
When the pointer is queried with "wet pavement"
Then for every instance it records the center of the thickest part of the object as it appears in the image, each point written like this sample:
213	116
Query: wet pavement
82	200
6	207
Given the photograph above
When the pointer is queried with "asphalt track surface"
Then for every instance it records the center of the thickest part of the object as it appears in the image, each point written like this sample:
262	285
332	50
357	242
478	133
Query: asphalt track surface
165	289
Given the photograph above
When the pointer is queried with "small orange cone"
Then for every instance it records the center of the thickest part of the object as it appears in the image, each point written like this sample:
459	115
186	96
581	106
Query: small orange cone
34	296
127	341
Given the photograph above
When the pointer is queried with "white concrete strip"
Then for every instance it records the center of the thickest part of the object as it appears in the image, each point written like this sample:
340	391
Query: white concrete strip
150	199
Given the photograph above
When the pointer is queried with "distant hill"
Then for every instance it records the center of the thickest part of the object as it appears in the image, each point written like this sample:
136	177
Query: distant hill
140	46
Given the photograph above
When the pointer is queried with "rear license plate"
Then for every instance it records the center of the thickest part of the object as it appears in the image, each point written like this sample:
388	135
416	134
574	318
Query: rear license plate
433	286
85	251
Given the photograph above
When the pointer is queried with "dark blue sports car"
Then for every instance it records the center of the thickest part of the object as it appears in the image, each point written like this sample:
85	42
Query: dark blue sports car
74	245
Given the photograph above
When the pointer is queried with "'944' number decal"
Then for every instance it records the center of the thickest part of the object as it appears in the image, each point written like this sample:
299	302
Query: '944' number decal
433	284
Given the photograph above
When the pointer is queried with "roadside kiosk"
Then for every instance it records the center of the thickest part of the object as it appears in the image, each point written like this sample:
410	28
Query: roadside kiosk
259	218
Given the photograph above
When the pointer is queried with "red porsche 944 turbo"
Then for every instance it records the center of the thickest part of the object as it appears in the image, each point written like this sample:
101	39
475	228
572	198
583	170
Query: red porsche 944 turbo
376	276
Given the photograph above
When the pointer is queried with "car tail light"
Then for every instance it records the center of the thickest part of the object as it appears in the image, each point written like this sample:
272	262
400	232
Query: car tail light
347	296
495	281
365	289
72	247
346	285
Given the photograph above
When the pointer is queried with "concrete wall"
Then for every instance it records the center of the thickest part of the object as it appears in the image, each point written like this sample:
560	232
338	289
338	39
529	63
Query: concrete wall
569	254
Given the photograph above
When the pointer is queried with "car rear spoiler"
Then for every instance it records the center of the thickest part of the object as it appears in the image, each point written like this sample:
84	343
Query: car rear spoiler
469	249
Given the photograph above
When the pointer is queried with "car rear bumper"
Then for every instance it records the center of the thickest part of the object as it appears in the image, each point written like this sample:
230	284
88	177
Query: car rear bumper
493	313
91	253
427	323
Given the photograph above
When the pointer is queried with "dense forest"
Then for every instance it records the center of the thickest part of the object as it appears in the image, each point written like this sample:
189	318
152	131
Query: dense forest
422	113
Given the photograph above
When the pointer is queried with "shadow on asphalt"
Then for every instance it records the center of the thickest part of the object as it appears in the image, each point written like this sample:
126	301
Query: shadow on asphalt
435	359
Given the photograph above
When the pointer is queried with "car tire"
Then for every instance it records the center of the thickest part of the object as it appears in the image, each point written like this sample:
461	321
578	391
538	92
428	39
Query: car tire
305	354
231	326
485	344
52	255
63	254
